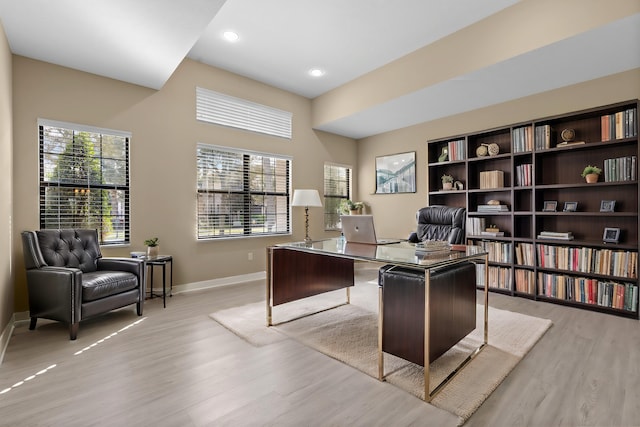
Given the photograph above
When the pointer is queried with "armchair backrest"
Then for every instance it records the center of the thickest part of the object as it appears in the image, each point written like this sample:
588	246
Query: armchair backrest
441	223
77	248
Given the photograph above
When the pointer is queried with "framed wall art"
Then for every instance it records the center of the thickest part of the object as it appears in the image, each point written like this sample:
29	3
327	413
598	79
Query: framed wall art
396	173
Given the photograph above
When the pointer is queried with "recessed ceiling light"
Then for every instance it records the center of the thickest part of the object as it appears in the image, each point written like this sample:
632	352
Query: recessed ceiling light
230	36
316	72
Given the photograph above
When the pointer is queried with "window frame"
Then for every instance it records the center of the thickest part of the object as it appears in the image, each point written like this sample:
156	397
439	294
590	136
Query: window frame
327	197
81	189
282	217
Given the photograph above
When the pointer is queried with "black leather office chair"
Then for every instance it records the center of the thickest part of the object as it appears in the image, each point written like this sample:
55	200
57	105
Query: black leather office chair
68	280
440	223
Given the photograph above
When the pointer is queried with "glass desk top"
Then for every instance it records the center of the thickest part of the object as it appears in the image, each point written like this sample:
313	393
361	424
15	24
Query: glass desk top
403	253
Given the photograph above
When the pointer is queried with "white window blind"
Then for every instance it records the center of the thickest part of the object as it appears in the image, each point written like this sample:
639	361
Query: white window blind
242	193
218	108
337	188
84	179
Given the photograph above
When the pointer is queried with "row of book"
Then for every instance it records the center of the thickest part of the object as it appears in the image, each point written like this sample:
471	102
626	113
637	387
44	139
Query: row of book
491	179
619	125
524	174
525	255
498	251
609	262
457	150
475	226
525	281
543	137
522	139
622	296
499	277
620	169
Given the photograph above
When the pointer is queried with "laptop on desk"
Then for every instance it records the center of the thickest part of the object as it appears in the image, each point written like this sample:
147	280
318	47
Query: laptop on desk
360	229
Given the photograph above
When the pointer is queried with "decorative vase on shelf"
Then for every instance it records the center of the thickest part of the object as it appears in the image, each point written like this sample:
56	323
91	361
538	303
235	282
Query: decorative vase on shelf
444	155
591	178
153	251
447	185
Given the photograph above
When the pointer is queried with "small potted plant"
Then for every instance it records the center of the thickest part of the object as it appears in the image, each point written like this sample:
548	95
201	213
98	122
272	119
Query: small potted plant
350	207
447	182
591	173
152	246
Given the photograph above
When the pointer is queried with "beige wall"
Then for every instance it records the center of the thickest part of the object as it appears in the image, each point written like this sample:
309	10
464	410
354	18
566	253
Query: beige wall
163	148
6	195
395	214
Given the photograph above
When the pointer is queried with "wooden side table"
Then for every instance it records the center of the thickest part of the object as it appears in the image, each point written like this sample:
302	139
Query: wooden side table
162	261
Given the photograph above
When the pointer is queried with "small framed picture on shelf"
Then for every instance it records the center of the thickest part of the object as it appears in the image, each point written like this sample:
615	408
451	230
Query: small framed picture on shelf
570	206
611	235
607	205
550	206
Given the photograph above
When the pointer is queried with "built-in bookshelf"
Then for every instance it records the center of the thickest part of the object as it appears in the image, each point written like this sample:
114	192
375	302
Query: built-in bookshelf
551	236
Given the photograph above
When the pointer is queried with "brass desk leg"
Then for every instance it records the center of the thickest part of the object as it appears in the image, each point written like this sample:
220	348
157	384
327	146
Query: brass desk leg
486	299
427	326
380	323
268	282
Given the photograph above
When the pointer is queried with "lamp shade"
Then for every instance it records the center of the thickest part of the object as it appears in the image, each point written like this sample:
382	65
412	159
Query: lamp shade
306	198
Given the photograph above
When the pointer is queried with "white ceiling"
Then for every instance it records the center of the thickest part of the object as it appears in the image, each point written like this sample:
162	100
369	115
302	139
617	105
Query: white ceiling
144	41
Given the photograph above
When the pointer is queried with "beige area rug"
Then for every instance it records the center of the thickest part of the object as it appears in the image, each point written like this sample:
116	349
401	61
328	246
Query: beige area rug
349	333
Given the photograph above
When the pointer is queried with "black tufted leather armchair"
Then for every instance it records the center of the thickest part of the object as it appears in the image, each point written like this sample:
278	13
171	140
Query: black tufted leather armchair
68	280
440	223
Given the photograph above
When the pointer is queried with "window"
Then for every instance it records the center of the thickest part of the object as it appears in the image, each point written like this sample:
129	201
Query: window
242	193
220	109
337	188
84	179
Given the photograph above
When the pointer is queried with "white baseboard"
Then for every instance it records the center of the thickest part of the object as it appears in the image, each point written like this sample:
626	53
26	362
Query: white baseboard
216	283
243	278
5	337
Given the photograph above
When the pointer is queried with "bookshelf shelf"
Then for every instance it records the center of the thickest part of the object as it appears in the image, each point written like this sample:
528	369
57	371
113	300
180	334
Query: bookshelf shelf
535	170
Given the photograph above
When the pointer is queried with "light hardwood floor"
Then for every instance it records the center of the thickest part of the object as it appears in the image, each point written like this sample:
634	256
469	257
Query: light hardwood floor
177	367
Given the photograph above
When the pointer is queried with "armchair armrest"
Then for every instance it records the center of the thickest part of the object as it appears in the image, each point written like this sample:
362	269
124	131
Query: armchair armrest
131	265
55	293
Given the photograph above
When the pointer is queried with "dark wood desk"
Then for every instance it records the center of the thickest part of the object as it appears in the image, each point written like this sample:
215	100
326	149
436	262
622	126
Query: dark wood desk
300	270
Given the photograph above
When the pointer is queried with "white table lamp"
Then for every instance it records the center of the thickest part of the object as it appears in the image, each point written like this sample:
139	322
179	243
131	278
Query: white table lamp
306	198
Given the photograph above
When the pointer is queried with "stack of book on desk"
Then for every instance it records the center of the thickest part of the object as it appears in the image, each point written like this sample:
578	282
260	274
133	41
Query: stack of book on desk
433	246
555	235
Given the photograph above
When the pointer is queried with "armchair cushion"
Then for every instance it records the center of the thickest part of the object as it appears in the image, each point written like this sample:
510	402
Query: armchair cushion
101	284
